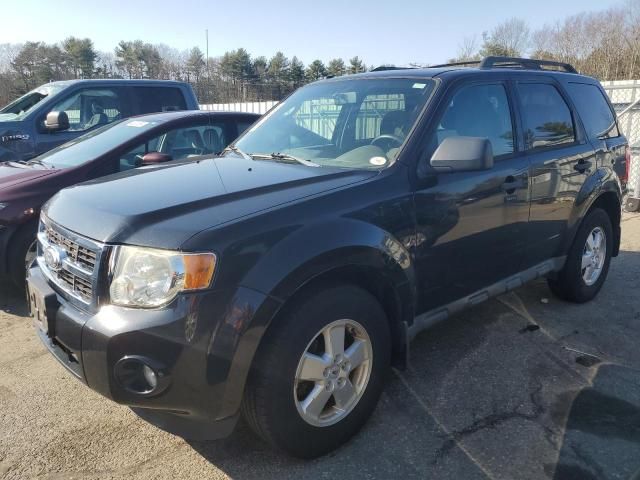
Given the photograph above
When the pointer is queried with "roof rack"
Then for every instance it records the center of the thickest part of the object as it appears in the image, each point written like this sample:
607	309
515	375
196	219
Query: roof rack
511	62
383	68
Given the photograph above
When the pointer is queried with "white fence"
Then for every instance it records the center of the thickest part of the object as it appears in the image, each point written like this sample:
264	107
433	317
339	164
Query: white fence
246	107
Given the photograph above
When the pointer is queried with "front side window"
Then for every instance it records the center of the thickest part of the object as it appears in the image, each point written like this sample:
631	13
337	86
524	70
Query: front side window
349	123
479	111
91	107
179	143
547	117
598	118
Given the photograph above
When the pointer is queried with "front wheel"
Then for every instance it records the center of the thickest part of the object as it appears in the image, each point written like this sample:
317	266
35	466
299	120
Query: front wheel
22	253
319	372
588	260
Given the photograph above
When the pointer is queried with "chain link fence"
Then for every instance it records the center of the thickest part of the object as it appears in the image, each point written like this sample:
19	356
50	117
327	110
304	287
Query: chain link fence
625	97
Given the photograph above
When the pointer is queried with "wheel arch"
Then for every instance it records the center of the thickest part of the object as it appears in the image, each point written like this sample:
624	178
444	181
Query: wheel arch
601	190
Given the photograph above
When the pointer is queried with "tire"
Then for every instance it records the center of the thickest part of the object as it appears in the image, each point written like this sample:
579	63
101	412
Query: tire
275	393
20	245
573	282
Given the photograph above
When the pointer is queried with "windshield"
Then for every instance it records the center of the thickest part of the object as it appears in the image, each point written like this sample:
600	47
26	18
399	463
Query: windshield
357	123
89	146
19	108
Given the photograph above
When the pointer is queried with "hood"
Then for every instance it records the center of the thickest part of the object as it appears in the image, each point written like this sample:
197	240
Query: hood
164	206
12	174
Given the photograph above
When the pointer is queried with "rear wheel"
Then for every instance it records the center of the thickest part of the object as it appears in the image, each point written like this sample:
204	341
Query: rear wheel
588	261
319	372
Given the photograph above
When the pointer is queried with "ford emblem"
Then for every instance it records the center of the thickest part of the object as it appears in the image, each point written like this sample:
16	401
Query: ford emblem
53	257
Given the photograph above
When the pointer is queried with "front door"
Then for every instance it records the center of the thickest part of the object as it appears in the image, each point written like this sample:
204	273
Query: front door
470	225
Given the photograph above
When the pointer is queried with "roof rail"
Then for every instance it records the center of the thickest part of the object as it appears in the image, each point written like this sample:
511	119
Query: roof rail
510	62
383	68
530	63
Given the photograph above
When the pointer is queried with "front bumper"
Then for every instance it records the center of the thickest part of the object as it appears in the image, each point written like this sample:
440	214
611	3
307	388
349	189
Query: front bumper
201	346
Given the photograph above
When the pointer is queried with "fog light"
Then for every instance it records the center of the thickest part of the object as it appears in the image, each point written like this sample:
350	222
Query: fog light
140	375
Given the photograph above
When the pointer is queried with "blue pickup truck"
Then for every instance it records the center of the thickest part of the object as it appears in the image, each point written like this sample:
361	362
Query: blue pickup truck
88	104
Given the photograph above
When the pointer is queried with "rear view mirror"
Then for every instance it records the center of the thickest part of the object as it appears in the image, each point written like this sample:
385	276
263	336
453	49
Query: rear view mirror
153	158
56	121
459	154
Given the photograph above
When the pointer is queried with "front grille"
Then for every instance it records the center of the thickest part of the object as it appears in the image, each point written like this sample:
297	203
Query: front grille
76	284
77	253
77	272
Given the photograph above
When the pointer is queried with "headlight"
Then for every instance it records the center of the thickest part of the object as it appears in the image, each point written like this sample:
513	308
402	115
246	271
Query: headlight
3	205
146	277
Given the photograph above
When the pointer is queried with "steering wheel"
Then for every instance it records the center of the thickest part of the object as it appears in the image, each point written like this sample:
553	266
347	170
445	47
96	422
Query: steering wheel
386	141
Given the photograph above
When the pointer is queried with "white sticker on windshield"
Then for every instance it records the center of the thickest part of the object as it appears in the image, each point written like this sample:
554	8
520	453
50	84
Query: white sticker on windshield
377	161
419	85
137	123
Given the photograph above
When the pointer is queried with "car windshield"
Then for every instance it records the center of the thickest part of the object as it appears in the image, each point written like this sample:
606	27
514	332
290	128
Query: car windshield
89	146
19	108
350	123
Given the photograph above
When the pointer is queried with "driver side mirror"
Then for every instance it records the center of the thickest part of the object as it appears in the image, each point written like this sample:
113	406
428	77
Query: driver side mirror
462	154
153	158
56	121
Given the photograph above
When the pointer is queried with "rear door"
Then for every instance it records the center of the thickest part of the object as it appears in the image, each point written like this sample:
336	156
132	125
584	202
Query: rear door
599	120
561	158
470	225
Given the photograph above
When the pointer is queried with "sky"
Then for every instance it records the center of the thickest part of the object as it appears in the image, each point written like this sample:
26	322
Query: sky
379	32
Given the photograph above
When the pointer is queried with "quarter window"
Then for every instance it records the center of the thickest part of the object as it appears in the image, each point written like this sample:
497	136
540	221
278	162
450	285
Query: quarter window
594	110
479	111
547	118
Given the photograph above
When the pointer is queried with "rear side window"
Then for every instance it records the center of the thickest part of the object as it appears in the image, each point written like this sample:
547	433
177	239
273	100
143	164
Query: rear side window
479	111
547	117
159	99
594	110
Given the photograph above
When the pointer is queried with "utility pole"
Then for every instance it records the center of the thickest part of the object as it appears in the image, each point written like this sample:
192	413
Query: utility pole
206	35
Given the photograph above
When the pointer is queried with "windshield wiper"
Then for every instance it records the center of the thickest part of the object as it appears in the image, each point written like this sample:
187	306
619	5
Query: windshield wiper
283	157
234	149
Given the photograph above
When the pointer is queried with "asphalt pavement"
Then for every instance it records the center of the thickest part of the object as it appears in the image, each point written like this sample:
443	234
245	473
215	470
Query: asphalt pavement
524	386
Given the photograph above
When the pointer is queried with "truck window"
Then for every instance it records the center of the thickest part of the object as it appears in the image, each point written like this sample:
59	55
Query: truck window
317	118
159	99
547	117
91	107
594	110
479	111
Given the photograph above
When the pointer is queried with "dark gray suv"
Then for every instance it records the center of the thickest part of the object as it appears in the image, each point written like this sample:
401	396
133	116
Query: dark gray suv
282	278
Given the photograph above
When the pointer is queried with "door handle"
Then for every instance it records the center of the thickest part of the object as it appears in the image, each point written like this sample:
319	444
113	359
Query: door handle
582	166
511	184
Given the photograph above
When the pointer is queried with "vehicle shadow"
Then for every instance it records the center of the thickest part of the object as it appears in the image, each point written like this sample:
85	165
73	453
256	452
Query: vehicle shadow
12	300
487	375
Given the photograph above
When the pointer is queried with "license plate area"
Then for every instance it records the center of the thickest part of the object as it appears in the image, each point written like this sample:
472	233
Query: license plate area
43	305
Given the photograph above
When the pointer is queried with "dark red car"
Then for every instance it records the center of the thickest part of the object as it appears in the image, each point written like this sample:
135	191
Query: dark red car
119	146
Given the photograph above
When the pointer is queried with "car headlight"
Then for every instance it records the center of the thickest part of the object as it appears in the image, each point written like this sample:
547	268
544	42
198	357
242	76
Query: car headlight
147	277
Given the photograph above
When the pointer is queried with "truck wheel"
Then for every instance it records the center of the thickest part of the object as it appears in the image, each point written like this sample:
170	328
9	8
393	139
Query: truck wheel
588	260
22	252
319	372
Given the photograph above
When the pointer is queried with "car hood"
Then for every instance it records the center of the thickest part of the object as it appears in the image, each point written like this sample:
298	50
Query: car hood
12	174
165	205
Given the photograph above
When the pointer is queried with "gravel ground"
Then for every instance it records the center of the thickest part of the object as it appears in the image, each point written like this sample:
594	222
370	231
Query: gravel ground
523	386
